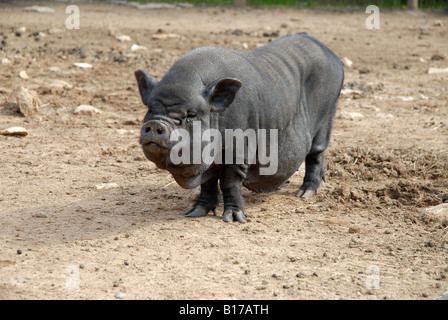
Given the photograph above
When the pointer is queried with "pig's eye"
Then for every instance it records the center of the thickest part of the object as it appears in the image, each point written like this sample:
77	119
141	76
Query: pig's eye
191	115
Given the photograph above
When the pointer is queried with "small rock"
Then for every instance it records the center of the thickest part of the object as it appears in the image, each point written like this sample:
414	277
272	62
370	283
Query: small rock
119	295
351	115
444	297
137	47
123	37
160	36
86	109
437	70
438	23
19	251
384	115
59	84
27	100
363	71
353	230
23	75
39	9
439	212
14	131
351	93
438	56
54	69
124	131
107	186
21	30
347	62
83	65
405	99
6	61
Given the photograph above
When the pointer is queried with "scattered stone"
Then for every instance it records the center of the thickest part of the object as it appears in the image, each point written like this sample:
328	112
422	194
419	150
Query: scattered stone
351	115
437	70
438	56
39	9
6	61
405	99
83	65
123	37
347	62
54	30
438	23
351	93
370	107
27	100
107	186
162	5
14	131
54	69
19	251
119	295
59	84
23	75
137	47
384	115
125	131
86	110
160	36
424	31
353	230
363	71
439	212
444	297
21	30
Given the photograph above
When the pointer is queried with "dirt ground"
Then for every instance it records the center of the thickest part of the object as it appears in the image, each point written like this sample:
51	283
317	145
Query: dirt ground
84	215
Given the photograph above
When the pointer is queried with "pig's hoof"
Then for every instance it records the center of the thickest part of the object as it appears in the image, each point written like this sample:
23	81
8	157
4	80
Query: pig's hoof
305	193
196	211
230	215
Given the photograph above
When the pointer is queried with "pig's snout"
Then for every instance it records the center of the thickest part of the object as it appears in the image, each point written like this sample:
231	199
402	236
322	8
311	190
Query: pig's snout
154	134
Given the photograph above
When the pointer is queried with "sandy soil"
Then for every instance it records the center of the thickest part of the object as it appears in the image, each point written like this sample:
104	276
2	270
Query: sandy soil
366	235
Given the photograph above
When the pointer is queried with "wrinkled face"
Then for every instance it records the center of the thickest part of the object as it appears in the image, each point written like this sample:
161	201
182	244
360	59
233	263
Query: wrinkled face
176	109
168	113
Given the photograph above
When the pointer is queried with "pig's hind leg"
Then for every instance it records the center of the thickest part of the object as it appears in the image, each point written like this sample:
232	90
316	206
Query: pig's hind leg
314	162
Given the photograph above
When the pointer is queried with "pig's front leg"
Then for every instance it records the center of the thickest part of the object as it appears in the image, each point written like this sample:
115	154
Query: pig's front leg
231	180
207	201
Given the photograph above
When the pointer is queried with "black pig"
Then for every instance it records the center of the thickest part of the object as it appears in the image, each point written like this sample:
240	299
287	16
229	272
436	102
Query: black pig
290	85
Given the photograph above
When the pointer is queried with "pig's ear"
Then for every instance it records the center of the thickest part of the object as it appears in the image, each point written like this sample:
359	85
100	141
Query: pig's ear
221	93
146	83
